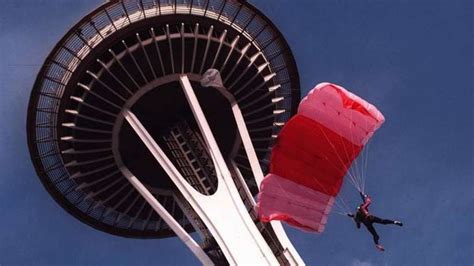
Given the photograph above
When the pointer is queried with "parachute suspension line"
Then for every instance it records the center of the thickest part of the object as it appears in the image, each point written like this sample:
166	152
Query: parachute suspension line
363	162
360	175
366	162
344	203
352	178
346	152
342	207
340	204
364	158
356	165
340	213
340	210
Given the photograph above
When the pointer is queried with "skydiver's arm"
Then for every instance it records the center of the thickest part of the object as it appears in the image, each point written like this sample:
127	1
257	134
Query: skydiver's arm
366	199
363	196
355	220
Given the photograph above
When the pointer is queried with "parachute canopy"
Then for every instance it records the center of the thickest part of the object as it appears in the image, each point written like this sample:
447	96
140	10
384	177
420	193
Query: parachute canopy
313	153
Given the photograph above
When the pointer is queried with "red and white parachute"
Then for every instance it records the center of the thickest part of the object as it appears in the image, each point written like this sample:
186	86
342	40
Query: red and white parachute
313	153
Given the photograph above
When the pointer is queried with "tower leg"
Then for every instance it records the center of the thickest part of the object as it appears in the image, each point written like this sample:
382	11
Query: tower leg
290	252
167	218
159	209
223	212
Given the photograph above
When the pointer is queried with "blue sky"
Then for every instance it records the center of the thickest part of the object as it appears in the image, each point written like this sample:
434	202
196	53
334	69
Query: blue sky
413	59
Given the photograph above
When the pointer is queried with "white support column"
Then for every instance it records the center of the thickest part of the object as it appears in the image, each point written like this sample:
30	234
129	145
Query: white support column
225	179
290	252
247	142
212	79
223	212
167	218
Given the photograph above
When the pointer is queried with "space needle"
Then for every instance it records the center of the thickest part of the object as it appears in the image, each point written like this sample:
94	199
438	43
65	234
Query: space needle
156	118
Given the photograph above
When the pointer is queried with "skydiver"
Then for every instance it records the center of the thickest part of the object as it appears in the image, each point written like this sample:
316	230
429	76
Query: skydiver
362	216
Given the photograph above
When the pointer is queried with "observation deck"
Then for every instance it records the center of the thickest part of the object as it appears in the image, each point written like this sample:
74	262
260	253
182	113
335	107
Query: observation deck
130	55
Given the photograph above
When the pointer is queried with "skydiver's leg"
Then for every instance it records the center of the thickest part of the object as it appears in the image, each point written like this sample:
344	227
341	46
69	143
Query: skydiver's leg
372	231
378	220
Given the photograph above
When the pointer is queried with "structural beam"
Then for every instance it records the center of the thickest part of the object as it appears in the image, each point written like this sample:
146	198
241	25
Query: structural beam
155	204
235	232
289	251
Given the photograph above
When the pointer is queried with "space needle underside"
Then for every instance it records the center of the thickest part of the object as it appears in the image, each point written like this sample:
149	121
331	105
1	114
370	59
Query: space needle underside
127	139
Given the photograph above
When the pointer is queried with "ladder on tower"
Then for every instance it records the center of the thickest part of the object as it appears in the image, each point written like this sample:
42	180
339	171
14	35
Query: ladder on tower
196	167
191	158
195	164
